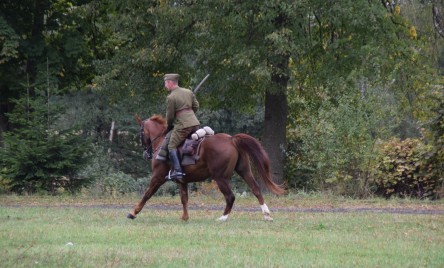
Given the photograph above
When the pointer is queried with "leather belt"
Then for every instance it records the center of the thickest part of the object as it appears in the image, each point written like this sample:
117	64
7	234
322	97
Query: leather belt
183	110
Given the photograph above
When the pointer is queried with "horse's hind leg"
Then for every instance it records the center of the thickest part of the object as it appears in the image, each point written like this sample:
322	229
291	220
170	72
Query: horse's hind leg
224	187
243	168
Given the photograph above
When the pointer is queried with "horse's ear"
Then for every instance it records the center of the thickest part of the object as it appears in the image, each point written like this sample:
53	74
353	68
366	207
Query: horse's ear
138	119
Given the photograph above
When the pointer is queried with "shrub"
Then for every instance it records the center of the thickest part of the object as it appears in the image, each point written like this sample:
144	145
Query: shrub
117	184
107	181
403	170
331	149
436	127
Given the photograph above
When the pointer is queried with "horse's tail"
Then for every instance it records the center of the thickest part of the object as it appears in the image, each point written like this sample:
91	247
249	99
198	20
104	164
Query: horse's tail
259	158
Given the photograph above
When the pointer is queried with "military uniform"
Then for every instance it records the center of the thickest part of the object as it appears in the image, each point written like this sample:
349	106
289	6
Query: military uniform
181	108
181	122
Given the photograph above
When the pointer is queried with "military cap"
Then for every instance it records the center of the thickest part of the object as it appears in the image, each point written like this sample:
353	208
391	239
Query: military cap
174	77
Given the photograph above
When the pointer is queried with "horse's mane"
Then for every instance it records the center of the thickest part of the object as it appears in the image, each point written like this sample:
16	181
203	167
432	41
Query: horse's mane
159	119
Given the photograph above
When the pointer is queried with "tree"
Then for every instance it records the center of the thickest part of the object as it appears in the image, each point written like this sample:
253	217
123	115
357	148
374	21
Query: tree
37	157
350	90
252	51
300	60
47	51
246	55
43	42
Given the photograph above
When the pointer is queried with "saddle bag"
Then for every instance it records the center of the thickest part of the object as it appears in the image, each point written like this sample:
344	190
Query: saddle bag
190	148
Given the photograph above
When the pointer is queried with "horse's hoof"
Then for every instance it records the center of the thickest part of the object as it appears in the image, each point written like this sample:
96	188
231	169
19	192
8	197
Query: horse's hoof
223	218
268	218
130	216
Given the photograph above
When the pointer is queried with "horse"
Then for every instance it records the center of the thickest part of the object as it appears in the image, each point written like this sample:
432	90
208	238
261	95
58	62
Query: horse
219	156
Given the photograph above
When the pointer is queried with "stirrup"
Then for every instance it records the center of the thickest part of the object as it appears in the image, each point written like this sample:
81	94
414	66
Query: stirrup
161	158
169	178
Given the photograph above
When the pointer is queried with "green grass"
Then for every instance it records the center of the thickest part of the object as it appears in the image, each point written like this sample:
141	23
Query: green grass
36	234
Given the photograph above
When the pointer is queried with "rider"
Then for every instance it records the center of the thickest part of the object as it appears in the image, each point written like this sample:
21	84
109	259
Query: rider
181	122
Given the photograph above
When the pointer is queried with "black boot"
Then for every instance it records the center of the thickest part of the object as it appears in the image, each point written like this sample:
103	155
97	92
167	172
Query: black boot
177	174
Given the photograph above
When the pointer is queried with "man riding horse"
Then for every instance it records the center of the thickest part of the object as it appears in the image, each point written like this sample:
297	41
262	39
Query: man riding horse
240	153
181	122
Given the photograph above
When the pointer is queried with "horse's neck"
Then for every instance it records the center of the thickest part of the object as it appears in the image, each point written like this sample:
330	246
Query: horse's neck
158	141
157	138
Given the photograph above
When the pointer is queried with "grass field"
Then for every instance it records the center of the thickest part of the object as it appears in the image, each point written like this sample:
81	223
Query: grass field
82	232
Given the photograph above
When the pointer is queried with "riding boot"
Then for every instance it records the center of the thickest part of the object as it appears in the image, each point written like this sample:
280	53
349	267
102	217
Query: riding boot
176	174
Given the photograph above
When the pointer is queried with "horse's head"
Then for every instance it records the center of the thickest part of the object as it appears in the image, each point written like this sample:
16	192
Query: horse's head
151	130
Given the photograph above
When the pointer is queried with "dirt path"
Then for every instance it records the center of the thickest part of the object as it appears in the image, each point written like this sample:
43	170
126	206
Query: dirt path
324	209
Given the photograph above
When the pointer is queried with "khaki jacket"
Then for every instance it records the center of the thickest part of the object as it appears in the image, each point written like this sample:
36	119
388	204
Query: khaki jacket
181	108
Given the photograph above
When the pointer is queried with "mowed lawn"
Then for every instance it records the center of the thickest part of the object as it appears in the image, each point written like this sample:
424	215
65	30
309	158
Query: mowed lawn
46	232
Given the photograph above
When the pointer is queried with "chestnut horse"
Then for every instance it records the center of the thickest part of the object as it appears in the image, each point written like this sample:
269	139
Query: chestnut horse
219	156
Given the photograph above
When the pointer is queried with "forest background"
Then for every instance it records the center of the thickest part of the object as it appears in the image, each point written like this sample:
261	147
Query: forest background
346	96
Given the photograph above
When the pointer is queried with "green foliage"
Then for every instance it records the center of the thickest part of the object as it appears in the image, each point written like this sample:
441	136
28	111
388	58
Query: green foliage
36	157
435	160
402	170
348	90
333	149
117	184
232	122
109	178
50	39
129	71
8	42
329	59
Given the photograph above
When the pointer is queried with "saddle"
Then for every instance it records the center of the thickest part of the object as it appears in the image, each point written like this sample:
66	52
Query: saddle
189	151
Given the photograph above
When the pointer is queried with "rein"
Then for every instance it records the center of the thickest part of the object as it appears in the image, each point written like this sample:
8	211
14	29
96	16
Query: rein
148	151
155	140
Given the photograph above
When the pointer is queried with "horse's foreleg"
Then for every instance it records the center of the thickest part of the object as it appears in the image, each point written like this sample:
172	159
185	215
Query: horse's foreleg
184	198
151	190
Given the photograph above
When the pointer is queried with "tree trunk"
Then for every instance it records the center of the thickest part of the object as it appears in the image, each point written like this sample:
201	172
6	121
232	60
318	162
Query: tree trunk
37	39
274	136
276	106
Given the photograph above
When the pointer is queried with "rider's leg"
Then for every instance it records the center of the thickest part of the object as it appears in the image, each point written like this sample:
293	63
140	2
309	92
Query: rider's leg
177	173
163	151
177	137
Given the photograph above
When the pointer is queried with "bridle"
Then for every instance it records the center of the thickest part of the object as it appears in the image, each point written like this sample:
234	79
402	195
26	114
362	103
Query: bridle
148	148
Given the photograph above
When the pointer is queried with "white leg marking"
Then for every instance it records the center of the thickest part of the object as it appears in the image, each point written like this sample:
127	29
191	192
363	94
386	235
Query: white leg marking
265	209
266	212
223	218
